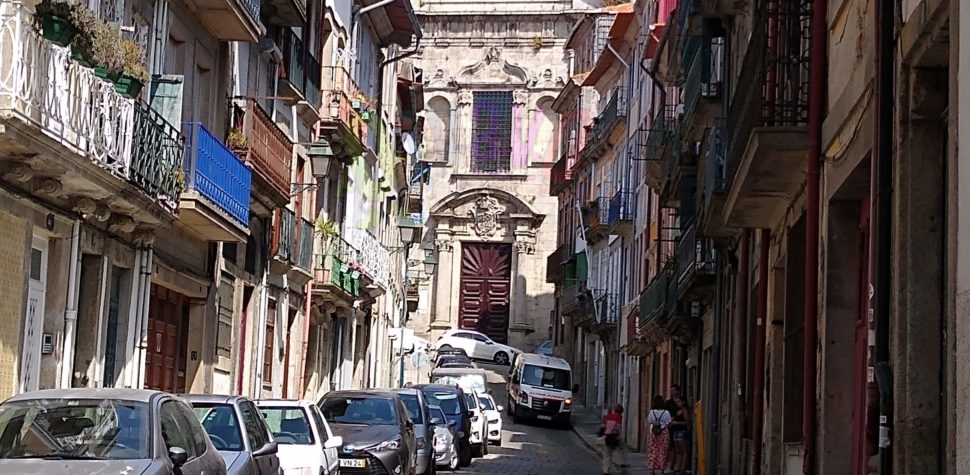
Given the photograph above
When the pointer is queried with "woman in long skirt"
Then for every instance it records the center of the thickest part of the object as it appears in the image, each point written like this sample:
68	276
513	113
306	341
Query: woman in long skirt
658	442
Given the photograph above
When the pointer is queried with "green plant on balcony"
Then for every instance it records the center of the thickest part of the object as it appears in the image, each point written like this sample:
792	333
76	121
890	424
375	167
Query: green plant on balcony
98	45
237	142
325	229
134	75
58	21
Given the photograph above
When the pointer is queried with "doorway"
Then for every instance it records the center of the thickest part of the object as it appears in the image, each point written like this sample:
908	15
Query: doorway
485	289
34	317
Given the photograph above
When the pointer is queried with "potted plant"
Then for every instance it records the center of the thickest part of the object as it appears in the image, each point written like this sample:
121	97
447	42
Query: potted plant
57	21
325	229
238	142
99	45
133	75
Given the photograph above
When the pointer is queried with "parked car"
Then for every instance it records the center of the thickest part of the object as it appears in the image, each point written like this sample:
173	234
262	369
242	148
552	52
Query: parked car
493	415
445	439
238	432
417	406
479	426
103	431
451	400
306	444
470	379
453	360
448	352
539	388
477	346
377	432
544	348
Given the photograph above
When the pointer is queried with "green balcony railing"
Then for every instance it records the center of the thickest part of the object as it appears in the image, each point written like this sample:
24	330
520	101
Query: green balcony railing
157	151
653	299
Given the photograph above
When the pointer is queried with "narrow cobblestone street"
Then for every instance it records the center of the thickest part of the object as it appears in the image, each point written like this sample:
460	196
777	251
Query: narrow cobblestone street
531	448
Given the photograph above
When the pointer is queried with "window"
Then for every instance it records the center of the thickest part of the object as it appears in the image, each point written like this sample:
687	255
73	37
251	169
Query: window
220	422
491	131
438	130
321	424
480	338
289	425
464	335
174	430
413	407
543	377
268	345
359	410
198	436
255	430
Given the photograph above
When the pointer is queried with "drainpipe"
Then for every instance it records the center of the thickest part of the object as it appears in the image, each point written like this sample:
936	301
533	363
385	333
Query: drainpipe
883	170
713	407
816	109
70	313
134	322
355	21
757	412
146	275
742	322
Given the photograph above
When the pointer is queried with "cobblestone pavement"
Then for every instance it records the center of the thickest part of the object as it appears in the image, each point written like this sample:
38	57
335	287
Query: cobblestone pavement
531	449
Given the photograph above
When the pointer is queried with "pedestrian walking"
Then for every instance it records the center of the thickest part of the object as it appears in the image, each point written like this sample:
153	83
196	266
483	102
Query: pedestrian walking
680	431
610	430
658	442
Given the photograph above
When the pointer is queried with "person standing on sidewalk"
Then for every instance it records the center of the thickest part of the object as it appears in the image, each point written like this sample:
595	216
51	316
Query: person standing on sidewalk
658	442
612	424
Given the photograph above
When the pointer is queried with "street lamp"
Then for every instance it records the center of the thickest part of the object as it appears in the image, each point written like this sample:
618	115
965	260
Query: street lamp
430	264
321	160
410	234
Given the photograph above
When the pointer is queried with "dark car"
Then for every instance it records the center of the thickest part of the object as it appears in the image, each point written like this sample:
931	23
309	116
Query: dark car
377	431
453	360
419	412
103	431
450	352
451	400
239	433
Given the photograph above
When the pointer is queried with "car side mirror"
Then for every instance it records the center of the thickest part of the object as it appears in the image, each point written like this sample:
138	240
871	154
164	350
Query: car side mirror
269	448
499	408
436	421
178	456
334	442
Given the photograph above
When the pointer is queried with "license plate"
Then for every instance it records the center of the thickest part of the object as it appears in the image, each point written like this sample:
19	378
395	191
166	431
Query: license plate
546	418
354	463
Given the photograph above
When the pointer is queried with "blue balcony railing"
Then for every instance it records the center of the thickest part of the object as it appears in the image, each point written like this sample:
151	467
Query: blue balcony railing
157	151
621	207
216	173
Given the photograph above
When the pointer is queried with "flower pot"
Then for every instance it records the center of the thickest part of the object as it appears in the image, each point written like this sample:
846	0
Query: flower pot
106	75
365	117
77	56
57	30
128	86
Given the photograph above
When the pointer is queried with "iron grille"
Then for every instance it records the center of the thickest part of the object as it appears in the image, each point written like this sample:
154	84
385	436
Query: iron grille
491	131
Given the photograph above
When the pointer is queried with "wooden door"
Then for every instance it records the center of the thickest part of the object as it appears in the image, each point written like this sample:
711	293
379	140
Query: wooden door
167	338
485	289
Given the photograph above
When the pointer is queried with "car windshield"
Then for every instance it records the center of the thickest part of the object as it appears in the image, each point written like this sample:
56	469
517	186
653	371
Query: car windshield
289	425
487	402
358	410
447	401
468	382
222	425
543	377
414	407
74	429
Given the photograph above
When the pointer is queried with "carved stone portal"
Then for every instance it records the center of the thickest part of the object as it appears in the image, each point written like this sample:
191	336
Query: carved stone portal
485	214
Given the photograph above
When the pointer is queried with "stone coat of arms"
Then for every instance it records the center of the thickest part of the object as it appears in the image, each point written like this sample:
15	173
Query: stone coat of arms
485	215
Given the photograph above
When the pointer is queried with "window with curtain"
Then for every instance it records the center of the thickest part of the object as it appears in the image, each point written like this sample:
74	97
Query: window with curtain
491	149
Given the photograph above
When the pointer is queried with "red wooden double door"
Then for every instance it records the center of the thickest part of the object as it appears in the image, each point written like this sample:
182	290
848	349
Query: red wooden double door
485	290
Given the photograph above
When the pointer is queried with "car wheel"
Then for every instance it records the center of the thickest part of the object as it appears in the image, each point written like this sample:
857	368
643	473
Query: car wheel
478	452
453	464
501	358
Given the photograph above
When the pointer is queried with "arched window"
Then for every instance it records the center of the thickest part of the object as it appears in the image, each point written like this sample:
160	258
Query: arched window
437	130
544	139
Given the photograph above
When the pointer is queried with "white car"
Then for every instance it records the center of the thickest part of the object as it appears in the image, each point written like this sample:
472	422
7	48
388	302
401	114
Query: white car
479	432
477	346
445	440
493	416
305	443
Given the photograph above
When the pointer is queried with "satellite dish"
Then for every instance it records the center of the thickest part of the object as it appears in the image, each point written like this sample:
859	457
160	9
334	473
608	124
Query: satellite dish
409	146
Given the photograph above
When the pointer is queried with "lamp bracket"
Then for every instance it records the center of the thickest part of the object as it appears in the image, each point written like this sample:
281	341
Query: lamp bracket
297	188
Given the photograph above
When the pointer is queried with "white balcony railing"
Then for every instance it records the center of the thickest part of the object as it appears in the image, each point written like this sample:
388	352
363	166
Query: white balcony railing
373	257
41	84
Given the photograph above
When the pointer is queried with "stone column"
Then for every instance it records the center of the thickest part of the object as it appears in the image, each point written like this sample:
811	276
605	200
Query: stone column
443	280
520	151
462	136
520	263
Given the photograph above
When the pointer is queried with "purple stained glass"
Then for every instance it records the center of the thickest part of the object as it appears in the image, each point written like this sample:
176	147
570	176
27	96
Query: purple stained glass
491	131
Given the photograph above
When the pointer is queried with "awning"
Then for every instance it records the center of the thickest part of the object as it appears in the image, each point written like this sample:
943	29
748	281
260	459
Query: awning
617	36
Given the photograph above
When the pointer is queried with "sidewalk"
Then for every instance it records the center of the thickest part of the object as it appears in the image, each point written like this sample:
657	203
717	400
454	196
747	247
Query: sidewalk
586	423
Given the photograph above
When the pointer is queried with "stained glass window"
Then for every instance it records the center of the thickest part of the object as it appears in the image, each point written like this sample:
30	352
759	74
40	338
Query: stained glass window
491	131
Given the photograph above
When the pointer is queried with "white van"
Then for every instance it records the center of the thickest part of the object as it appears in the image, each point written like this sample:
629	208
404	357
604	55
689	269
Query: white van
540	387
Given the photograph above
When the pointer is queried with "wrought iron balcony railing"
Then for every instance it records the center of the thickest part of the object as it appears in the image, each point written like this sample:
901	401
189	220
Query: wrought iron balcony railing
373	257
658	135
561	174
614	111
653	299
157	152
596	214
694	256
270	150
715	163
312	89
284	234
294	60
305	244
621	207
609	308
573	296
702	80
216	173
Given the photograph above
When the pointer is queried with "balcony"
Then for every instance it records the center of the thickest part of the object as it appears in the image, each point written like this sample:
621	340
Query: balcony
343	121
724	8
336	276
696	267
672	168
229	20
282	240
68	134
561	175
767	134
608	312
606	125
622	208
374	260
269	153
653	300
656	141
596	219
285	12
702	85
574	299
215	202
415	197
556	263
300	76
715	183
